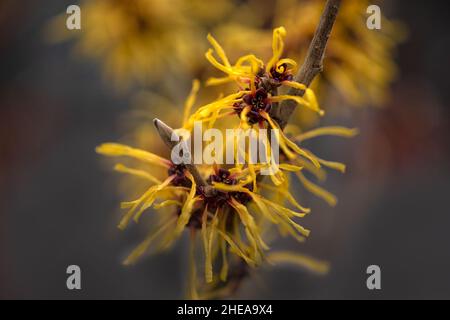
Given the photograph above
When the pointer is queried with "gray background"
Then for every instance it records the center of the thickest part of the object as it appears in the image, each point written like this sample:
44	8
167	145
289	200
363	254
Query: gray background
58	203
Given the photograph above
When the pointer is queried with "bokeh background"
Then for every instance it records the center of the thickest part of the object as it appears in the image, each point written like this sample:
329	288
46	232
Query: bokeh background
58	199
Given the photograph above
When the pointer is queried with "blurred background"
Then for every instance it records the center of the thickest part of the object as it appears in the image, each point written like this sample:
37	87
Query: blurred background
63	92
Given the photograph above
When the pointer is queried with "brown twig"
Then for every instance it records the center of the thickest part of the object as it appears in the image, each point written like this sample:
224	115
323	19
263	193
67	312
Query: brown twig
313	64
166	133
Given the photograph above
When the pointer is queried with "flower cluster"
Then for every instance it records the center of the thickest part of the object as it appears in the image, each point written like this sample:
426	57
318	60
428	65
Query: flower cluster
258	86
232	212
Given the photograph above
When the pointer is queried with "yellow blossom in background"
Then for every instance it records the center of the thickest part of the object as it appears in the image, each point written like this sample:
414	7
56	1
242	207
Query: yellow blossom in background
139	41
359	61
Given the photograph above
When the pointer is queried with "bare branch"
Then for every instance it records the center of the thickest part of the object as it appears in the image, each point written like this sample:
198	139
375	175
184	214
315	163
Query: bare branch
166	133
313	64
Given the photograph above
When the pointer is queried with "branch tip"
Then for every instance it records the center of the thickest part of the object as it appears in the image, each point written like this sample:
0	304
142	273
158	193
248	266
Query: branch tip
167	133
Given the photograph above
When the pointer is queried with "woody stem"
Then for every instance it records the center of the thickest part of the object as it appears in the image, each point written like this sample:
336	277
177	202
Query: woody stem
313	63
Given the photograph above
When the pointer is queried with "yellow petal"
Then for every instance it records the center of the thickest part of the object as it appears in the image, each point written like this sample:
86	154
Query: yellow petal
288	196
300	260
190	100
331	131
224	270
277	46
167	203
218	48
289	167
119	150
186	211
135	172
143	247
236	249
192	289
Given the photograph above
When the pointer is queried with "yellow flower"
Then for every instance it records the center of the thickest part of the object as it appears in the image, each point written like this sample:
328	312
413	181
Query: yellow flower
258	87
259	81
221	216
